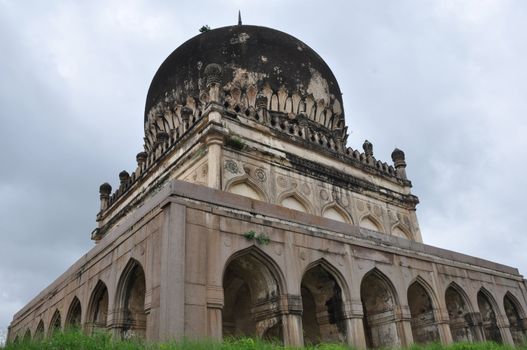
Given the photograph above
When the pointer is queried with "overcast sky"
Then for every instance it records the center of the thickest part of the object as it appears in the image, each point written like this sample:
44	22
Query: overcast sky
446	81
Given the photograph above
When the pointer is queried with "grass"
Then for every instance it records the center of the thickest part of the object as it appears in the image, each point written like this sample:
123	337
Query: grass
75	340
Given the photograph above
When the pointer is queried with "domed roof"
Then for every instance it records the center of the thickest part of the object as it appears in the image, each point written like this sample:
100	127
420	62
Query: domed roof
241	56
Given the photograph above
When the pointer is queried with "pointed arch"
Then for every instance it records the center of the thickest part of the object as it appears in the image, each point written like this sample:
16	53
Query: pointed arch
39	331
370	223
516	303
260	257
464	296
484	291
515	315
247	187
252	285
334	211
334	272
56	323
428	288
379	302
423	303
488	308
296	201
381	276
324	292
460	313
27	336
97	314
73	317
130	301
400	231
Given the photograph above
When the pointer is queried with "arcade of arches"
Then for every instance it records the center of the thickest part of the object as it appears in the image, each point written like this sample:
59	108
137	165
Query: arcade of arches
254	294
130	310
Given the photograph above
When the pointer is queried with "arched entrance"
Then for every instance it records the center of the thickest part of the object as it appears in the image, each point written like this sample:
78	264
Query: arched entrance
515	322
379	303
461	323
39	332
251	290
323	309
424	325
131	302
27	336
488	316
73	318
98	308
56	323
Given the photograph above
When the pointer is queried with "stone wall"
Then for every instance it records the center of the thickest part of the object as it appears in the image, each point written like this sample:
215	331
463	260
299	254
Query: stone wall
197	262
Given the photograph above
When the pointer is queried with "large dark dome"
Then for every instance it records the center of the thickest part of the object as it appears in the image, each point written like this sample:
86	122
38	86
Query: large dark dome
244	55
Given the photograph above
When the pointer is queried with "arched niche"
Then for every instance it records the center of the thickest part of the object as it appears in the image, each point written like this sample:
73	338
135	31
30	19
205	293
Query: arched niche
399	232
512	310
251	287
460	315
488	316
379	302
294	202
323	314
424	323
369	223
247	189
39	331
98	308
73	317
131	302
335	213
56	323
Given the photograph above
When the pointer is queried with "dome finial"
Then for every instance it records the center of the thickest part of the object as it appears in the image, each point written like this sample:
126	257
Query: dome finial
239	18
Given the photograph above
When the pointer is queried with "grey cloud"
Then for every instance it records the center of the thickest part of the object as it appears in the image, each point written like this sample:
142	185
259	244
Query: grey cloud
444	81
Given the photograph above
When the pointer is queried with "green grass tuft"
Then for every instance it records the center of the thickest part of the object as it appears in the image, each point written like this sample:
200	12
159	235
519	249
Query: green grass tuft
76	340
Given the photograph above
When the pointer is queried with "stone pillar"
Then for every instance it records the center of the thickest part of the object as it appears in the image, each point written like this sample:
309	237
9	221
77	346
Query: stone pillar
215	293
172	280
367	146
399	162
443	326
291	309
475	325
505	330
403	323
123	179
141	160
292	328
354	314
214	312
214	142
213	75
104	194
355	336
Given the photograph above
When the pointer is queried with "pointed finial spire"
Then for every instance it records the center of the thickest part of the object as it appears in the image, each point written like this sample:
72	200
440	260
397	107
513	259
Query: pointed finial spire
239	18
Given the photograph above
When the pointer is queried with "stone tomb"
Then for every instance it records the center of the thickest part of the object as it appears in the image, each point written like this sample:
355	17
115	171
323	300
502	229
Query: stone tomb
248	215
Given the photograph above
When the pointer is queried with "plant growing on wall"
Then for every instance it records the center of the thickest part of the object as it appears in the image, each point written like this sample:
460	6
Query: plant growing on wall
261	238
204	28
234	142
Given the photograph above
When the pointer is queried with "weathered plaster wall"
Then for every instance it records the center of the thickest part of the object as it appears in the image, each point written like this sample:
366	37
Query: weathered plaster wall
189	239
